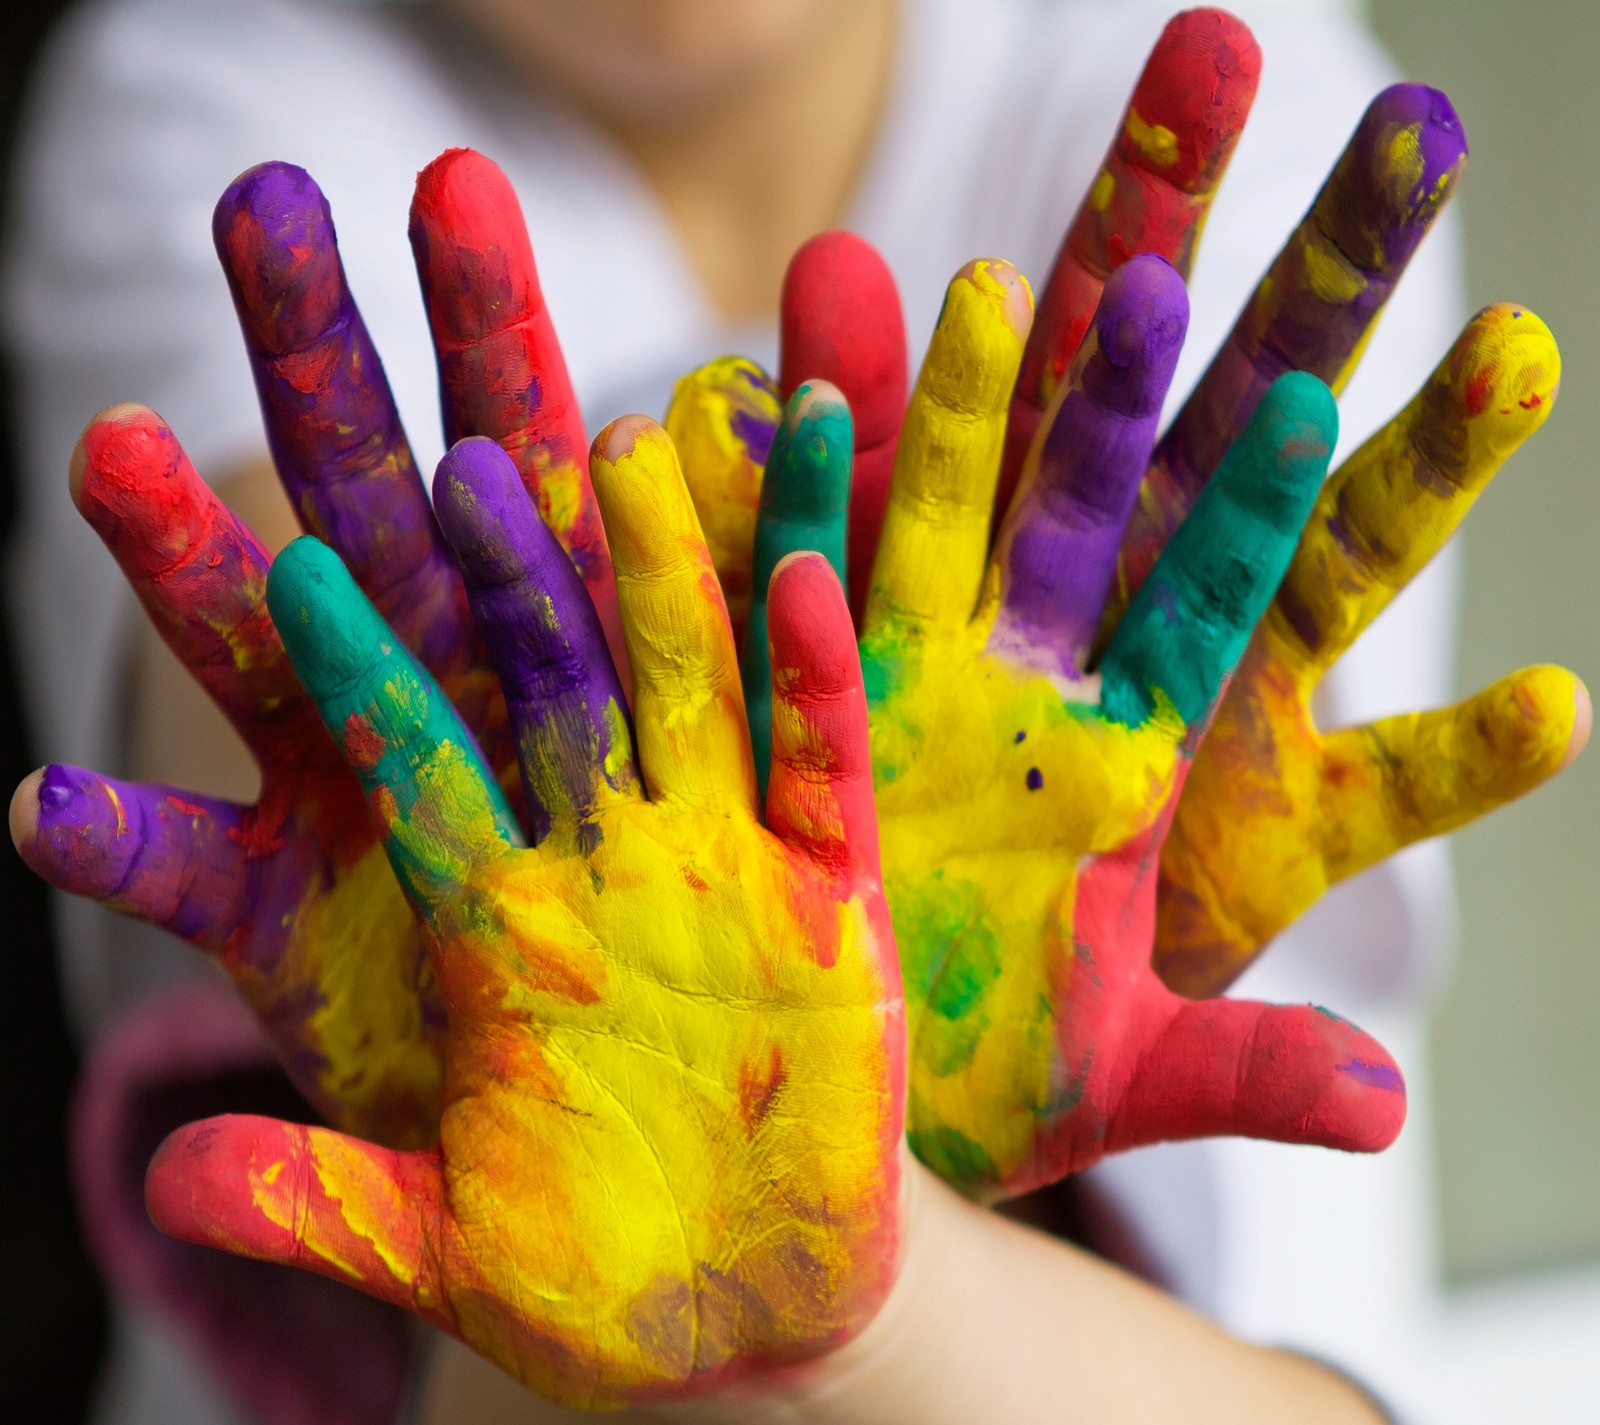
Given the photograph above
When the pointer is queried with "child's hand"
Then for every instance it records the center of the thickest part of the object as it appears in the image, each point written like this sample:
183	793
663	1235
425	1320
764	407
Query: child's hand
674	1070
1275	811
293	894
1024	799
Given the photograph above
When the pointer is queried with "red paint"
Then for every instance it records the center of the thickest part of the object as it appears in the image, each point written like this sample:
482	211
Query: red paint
1199	84
841	321
759	1088
363	744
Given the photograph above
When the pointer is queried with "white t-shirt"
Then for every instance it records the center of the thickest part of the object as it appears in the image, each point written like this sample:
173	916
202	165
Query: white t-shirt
999	114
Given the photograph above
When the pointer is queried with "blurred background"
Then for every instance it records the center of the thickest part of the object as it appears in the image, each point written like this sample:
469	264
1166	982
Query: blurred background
1488	1308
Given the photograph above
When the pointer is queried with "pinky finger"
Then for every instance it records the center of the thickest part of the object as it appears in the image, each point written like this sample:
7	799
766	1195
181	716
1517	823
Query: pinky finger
308	1198
173	859
1407	778
819	796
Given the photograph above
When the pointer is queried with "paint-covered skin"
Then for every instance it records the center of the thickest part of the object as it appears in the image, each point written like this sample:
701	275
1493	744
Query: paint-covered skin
1151	195
1275	811
805	501
501	371
1023	800
650	1014
292	895
841	323
721	421
1315	308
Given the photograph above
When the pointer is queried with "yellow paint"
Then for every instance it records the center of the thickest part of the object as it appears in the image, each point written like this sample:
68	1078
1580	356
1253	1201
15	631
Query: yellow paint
1104	190
1156	142
1275	811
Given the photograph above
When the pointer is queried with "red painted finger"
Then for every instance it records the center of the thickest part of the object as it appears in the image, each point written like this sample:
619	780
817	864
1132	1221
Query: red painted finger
842	322
501	370
1152	195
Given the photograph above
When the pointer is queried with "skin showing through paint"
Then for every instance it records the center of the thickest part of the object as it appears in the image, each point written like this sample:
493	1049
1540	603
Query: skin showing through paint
651	1015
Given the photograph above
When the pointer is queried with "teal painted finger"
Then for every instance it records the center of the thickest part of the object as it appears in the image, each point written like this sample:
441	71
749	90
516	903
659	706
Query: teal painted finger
431	793
805	500
1187	627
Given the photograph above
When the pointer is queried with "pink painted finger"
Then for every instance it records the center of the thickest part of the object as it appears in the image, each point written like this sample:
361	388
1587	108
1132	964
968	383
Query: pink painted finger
819	793
330	417
171	858
1152	196
199	573
1299	1074
842	322
311	1198
1318	303
501	371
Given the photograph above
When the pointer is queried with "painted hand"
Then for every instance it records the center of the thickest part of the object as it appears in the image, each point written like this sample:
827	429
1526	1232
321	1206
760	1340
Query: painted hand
1275	811
293	894
1024	797
674	1071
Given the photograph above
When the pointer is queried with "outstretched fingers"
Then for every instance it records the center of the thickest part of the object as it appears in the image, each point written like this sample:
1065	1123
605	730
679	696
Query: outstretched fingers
171	858
567	708
688	707
311	1198
330	417
1151	195
501	370
721	422
842	322
1187	628
1407	778
435	801
1316	307
1392	506
933	549
805	497
819	797
1057	549
1291	1074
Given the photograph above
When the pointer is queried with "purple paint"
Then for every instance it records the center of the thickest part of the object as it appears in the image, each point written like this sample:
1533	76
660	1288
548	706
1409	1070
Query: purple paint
1369	218
541	629
331	421
1060	543
1373	1075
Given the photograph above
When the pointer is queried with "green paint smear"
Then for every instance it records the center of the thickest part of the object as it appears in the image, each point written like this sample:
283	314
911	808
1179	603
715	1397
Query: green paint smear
950	959
1188	625
805	500
963	1164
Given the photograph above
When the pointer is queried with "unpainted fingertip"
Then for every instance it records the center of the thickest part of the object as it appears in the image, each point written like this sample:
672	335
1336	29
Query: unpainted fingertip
621	438
995	276
25	811
811	395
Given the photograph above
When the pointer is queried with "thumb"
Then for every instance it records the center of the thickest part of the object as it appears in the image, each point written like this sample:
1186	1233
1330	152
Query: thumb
308	1198
1290	1074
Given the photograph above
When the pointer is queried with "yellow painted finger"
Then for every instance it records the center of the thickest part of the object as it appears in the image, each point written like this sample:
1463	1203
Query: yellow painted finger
935	538
1407	778
1395	502
721	422
688	706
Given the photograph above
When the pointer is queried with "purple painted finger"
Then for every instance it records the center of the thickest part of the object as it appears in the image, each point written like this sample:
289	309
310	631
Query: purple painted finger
545	639
1316	307
1058	548
167	857
331	420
